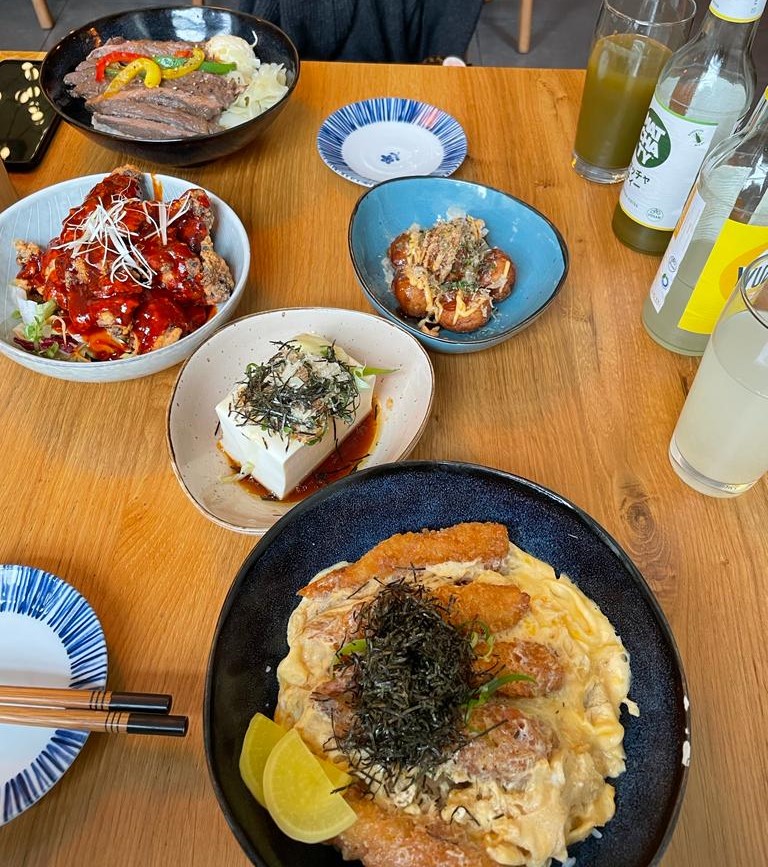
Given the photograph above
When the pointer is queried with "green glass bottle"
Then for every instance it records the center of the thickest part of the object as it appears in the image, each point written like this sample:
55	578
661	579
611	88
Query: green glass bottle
703	92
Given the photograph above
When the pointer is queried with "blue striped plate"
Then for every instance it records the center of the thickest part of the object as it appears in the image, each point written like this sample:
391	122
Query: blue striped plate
49	636
378	139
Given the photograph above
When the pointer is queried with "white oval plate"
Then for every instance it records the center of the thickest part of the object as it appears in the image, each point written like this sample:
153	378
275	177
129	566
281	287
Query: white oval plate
377	139
49	636
404	399
38	218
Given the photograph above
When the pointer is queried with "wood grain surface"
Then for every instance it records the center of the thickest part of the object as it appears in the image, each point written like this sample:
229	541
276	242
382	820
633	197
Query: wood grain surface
582	402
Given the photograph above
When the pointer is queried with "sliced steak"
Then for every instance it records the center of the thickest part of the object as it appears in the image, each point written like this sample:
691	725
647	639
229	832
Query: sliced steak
135	127
178	108
82	80
148	47
201	101
204	95
137	105
224	90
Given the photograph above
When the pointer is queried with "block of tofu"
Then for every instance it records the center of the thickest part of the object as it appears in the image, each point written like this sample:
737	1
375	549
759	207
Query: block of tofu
282	460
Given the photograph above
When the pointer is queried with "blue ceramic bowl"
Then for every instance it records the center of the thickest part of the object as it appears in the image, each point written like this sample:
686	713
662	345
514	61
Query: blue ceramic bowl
190	23
349	517
533	242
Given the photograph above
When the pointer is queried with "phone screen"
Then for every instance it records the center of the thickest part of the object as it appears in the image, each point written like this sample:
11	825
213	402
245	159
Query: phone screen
27	120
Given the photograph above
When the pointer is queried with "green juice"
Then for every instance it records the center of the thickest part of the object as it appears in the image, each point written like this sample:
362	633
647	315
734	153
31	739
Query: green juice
621	77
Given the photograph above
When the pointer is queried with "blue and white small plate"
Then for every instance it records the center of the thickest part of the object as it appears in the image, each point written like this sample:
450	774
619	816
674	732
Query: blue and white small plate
377	139
49	636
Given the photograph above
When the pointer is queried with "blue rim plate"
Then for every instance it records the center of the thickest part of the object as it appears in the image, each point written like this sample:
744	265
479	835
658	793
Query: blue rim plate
389	137
49	636
346	519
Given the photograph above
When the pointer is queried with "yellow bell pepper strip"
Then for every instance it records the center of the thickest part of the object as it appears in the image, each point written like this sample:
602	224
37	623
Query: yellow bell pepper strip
152	75
190	64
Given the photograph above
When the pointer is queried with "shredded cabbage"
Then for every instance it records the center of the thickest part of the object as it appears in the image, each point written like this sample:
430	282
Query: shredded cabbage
265	83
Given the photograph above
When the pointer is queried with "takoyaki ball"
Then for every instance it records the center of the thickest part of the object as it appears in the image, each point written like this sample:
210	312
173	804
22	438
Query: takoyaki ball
414	288
497	274
463	311
404	249
461	264
469	248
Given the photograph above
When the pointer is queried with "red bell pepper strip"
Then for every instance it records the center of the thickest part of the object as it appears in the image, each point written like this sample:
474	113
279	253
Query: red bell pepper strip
114	57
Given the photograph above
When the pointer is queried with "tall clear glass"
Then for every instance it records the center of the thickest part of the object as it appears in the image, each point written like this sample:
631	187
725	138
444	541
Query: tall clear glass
631	43
720	444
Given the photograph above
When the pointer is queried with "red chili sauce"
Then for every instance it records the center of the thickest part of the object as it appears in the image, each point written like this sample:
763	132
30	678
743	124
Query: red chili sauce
90	301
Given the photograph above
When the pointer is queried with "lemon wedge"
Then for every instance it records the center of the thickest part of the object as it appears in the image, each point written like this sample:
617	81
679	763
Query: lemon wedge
299	795
259	741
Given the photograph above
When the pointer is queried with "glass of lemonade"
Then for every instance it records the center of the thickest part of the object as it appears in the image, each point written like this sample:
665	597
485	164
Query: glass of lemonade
720	444
631	44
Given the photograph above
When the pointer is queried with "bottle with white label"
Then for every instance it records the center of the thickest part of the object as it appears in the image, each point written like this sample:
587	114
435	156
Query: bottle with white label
723	228
705	89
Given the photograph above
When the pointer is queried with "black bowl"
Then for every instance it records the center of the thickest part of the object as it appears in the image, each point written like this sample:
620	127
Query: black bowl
191	23
348	518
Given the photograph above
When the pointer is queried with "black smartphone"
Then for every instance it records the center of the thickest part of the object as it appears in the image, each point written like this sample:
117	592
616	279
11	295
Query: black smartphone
27	119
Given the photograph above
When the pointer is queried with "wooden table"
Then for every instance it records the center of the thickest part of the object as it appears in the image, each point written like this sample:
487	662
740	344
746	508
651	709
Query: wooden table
582	401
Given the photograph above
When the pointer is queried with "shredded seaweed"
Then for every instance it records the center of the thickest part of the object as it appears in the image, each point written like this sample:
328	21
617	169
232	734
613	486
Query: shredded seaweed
296	394
410	683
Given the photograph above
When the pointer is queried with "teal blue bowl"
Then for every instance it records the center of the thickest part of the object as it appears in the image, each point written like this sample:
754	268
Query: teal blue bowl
526	235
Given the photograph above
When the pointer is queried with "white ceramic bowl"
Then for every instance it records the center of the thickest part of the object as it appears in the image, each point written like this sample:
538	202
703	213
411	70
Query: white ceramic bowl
404	398
38	218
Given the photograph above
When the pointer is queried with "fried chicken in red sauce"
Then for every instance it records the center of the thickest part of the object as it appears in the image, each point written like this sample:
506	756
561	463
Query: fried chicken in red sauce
129	274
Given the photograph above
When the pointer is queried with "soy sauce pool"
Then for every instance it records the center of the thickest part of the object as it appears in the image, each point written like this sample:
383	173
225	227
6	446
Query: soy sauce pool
343	461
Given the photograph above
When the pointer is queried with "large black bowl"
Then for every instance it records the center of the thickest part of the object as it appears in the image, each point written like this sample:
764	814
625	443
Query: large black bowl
345	520
190	23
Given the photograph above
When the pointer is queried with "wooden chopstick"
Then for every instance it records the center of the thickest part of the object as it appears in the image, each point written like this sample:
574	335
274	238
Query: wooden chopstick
85	699
112	722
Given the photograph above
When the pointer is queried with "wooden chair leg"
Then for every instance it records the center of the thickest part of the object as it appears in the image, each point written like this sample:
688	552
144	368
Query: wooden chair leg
44	17
524	30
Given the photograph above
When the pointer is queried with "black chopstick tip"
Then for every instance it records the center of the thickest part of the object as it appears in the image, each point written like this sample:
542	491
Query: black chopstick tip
153	724
140	702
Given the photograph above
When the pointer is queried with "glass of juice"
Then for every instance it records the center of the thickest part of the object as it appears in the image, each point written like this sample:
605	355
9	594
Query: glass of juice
720	444
631	44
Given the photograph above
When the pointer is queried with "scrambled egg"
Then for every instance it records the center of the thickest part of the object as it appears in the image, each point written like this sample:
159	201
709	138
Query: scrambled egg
536	782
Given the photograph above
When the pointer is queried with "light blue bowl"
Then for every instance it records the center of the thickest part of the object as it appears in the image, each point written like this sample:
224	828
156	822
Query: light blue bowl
534	244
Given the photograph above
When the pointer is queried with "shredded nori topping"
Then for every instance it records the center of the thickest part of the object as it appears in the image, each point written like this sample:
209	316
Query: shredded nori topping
291	396
412	676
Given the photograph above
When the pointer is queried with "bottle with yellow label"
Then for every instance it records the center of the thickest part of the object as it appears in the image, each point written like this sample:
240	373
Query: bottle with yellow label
723	228
704	91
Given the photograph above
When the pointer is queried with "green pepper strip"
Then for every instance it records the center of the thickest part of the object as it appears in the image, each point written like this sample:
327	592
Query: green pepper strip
212	66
